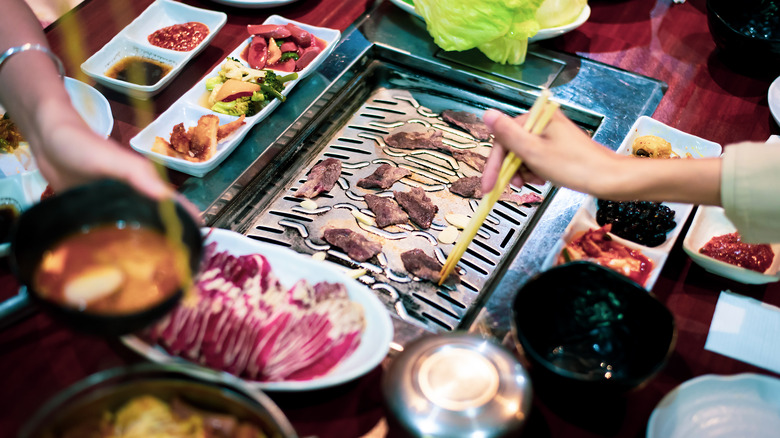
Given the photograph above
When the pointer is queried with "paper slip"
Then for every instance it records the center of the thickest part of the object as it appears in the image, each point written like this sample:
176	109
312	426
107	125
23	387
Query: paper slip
746	329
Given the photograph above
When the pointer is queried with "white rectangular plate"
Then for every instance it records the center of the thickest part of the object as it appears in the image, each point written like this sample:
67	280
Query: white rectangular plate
289	267
682	144
131	41
188	110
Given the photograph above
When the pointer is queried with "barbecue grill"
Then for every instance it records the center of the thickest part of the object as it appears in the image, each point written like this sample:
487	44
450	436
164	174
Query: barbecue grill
387	75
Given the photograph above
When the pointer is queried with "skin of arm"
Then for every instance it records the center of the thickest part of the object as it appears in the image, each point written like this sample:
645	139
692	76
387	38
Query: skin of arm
566	156
66	150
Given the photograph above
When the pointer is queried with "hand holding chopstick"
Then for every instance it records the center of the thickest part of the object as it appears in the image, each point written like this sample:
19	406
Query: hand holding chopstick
538	116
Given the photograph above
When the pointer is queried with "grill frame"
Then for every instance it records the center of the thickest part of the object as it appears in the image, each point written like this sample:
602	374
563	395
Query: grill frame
600	98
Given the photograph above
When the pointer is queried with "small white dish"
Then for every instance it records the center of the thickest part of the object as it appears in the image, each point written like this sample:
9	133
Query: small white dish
583	221
713	406
682	142
543	34
131	41
91	105
709	222
254	4
187	109
773	97
289	267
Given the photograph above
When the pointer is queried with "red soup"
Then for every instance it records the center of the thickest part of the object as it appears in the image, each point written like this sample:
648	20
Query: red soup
111	270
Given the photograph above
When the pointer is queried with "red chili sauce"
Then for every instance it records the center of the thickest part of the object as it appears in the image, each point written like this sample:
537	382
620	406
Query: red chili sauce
179	37
730	249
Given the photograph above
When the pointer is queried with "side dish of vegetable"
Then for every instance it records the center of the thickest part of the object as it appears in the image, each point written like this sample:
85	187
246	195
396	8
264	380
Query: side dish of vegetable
240	90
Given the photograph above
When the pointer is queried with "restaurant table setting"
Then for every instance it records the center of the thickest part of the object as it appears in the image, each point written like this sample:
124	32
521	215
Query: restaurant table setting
283	319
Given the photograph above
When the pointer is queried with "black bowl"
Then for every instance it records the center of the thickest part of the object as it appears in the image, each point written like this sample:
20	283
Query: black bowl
747	32
100	203
108	390
588	331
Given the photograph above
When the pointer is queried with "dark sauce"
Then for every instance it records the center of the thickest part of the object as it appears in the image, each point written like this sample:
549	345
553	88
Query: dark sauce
8	215
138	70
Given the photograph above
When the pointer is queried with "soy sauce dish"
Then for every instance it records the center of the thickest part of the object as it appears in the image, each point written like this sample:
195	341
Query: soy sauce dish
104	258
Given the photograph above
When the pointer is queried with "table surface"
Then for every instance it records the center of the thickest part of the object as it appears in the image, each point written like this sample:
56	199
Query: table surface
660	39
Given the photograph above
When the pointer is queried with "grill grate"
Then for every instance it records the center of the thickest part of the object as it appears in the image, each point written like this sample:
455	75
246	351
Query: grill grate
360	147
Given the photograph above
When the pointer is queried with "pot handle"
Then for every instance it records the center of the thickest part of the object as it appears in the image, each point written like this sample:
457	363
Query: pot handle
16	309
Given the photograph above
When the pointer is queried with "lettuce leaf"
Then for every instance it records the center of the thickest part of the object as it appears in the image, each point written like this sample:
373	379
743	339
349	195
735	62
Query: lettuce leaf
554	13
499	28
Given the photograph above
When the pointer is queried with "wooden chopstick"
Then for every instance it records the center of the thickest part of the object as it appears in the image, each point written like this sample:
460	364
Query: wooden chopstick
538	117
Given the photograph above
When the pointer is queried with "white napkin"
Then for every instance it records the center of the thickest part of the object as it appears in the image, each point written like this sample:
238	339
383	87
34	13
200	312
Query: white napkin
746	329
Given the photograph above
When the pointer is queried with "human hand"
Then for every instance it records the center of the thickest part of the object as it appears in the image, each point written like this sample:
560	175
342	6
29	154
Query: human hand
71	154
563	154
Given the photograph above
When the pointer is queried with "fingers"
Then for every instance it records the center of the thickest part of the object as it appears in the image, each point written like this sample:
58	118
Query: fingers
507	131
492	167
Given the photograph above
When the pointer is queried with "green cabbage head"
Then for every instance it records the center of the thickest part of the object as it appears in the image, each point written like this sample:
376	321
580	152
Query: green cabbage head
499	28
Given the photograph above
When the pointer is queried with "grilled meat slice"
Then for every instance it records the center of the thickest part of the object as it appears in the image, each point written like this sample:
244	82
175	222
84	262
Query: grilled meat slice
322	178
471	187
384	177
416	140
355	245
468	122
424	266
420	208
473	159
386	210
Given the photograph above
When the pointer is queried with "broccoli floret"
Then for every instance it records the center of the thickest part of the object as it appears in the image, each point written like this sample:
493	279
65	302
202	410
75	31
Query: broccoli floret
289	55
211	82
273	85
232	108
243	105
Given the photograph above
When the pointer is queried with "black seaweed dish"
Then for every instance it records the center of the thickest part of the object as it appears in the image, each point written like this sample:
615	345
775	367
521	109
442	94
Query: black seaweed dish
100	203
590	331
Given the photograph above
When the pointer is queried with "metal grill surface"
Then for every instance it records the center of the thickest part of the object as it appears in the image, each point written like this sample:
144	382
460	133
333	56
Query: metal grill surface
361	148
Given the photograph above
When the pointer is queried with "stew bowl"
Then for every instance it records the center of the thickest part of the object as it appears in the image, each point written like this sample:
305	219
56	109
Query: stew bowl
41	230
218	396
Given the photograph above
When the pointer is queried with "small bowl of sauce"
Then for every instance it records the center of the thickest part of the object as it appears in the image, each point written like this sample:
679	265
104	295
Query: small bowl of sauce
180	37
138	70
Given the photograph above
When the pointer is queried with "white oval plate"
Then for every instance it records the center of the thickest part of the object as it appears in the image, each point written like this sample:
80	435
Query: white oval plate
773	96
254	4
712	406
131	41
543	34
289	267
709	222
188	110
91	105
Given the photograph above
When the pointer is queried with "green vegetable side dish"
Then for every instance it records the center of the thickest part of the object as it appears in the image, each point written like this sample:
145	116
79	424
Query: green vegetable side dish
270	85
498	28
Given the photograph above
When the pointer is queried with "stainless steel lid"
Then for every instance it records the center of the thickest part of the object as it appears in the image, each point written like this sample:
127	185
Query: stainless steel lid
457	385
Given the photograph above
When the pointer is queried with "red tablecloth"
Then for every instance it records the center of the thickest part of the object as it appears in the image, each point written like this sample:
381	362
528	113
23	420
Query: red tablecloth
667	41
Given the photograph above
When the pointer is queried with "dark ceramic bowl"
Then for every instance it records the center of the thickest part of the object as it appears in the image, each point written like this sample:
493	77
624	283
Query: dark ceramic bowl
108	390
747	32
105	202
588	331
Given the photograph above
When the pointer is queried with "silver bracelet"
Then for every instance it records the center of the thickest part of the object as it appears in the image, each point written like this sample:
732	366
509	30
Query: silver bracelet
29	46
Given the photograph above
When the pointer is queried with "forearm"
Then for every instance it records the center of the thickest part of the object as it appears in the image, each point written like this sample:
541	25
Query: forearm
689	180
37	108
